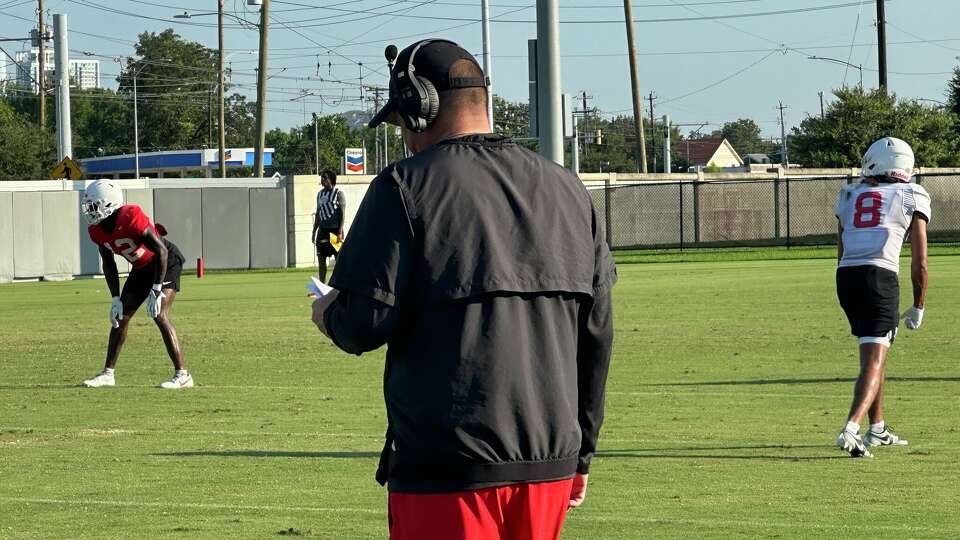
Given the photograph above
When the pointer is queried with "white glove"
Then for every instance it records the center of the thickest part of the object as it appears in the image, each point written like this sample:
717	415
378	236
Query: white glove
154	301
116	312
913	317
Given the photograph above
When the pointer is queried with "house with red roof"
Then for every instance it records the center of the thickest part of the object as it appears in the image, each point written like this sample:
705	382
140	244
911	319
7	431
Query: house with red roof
703	153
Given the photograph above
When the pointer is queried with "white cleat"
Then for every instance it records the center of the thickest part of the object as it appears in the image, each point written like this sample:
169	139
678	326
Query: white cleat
102	379
884	438
850	442
178	381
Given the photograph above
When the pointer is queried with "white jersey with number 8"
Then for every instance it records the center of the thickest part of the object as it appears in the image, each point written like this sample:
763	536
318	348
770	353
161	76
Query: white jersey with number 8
875	219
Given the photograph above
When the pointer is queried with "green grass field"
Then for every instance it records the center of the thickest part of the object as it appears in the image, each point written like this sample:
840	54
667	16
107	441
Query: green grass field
730	380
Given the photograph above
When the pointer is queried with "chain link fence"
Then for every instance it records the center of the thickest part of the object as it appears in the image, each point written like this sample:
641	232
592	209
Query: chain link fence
747	212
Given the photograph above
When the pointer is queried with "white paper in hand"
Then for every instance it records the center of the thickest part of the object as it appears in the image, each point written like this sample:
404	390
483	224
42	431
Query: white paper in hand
317	288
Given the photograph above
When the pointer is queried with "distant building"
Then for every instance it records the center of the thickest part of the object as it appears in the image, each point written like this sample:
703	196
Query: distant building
756	159
172	164
84	73
702	153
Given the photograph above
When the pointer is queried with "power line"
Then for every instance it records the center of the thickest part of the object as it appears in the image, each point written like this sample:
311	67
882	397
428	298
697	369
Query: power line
856	27
399	13
318	44
107	9
700	17
721	81
568	6
934	42
391	19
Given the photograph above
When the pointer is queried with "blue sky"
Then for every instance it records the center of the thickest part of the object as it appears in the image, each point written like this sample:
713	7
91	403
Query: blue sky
711	70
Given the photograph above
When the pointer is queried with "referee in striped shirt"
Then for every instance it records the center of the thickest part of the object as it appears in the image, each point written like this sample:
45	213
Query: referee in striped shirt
331	205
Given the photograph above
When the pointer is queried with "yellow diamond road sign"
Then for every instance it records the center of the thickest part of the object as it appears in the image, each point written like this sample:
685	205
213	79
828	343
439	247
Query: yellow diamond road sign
67	169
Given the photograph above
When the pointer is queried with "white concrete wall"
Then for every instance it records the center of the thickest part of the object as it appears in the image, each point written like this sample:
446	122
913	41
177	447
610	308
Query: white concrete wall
302	206
43	234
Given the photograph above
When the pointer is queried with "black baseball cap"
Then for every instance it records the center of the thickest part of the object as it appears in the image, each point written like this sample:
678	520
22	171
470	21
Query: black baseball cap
433	61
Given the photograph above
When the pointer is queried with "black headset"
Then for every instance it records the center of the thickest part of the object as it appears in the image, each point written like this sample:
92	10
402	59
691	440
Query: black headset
418	101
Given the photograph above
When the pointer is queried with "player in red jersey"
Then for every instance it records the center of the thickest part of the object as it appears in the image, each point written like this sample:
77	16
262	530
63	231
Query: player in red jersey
155	277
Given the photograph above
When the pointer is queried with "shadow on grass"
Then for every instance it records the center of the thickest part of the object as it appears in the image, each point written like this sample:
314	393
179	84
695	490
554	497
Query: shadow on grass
710	453
800	381
269	454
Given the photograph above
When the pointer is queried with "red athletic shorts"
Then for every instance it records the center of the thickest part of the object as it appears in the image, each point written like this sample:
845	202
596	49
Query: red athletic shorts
515	512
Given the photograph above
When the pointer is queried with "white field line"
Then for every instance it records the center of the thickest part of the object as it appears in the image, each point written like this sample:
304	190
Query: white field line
202	506
802	523
719	445
682	390
102	431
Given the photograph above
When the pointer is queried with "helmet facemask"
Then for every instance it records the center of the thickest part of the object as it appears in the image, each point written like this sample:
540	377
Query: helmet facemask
100	200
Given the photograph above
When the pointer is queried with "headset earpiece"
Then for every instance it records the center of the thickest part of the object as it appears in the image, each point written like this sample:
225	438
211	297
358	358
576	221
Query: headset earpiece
419	102
431	100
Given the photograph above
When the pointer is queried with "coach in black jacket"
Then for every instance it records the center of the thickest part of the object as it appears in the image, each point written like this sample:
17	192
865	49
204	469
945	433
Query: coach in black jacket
484	268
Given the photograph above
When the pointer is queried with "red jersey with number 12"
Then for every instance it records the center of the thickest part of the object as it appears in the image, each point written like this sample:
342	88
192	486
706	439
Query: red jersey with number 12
126	238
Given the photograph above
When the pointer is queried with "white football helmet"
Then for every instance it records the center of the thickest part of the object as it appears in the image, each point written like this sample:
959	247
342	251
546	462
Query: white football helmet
100	200
890	157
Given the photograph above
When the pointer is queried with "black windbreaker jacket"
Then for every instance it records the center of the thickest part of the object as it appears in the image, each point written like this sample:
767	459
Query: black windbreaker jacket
484	268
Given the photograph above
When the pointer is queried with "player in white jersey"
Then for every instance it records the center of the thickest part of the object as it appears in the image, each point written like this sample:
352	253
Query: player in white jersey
875	215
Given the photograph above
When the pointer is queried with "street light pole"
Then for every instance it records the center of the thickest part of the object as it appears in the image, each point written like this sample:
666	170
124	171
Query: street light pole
222	162
262	89
858	67
136	132
487	61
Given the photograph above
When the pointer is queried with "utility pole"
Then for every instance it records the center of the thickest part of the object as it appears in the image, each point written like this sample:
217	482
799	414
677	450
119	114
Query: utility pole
575	146
316	141
550	109
487	61
386	145
822	116
653	134
783	137
40	72
221	160
62	63
635	84
667	165
210	116
882	45
376	132
262	89
585	111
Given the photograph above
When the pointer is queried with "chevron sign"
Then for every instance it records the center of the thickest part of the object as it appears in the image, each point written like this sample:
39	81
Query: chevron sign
354	161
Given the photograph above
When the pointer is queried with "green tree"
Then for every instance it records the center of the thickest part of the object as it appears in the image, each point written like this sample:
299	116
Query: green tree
295	152
953	92
744	136
176	81
26	153
857	118
24	102
511	118
102	123
240	121
953	98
